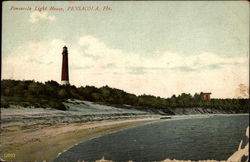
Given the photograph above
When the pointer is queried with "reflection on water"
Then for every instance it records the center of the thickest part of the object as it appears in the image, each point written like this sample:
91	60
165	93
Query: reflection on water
216	137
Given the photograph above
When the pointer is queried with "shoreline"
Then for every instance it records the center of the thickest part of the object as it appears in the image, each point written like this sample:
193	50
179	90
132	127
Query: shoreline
47	143
236	156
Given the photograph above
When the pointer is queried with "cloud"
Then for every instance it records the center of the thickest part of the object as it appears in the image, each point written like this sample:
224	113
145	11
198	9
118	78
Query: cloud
92	62
40	61
103	55
36	16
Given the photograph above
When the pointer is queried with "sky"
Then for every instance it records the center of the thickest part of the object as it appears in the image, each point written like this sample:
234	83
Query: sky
157	48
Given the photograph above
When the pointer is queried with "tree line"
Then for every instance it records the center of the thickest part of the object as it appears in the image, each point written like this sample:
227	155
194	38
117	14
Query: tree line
51	94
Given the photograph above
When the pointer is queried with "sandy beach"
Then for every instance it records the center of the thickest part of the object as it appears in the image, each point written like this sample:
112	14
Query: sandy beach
29	134
46	143
36	134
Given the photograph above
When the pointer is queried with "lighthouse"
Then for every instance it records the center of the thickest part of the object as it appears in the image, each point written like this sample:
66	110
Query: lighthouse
65	67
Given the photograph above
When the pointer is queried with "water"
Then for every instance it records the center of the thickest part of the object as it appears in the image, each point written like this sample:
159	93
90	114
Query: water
216	137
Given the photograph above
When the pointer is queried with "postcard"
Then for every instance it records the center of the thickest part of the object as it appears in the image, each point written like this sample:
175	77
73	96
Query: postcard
124	81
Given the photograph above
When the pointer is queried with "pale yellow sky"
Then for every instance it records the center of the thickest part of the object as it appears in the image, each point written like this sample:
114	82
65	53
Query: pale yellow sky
158	48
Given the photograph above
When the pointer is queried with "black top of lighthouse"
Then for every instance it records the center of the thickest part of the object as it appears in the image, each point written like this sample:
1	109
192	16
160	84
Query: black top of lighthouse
65	50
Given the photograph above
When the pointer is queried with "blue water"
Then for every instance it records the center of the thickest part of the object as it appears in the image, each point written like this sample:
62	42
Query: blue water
216	137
